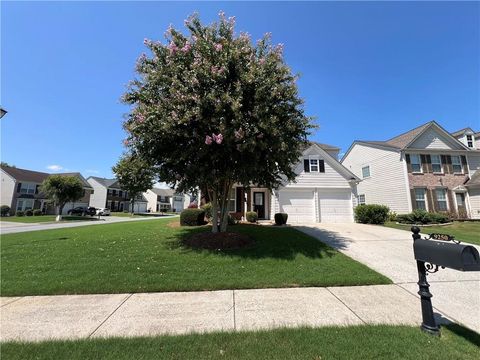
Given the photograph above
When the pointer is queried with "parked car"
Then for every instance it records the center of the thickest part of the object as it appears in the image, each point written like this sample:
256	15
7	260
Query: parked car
82	210
103	211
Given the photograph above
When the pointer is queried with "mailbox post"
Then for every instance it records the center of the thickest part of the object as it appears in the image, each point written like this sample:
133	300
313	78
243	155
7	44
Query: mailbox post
432	254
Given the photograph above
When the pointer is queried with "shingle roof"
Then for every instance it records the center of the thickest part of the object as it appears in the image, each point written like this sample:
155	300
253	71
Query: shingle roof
474	180
406	138
461	131
25	175
109	183
163	192
380	143
77	174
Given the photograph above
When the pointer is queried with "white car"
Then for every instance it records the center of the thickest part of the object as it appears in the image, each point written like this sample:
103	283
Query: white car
103	211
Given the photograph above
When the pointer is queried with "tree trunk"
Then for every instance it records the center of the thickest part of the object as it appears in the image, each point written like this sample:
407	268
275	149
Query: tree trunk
224	206
59	212
214	212
132	203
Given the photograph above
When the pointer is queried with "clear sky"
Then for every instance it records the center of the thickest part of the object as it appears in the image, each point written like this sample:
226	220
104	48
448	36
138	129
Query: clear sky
369	70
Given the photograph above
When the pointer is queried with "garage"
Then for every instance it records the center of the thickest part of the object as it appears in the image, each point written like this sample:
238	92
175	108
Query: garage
140	207
298	204
335	205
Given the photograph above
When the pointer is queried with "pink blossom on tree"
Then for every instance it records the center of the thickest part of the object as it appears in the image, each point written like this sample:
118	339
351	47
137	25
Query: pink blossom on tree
208	140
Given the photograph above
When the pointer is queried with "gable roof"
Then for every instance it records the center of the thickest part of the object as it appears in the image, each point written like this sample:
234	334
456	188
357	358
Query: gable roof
342	170
163	192
462	131
24	174
474	180
403	140
108	183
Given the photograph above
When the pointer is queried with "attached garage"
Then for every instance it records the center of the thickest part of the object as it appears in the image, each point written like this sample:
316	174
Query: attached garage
335	205
298	204
139	207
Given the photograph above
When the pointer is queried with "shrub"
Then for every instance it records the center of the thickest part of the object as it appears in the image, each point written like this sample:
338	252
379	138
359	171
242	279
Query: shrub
4	210
37	212
232	220
281	218
392	216
193	205
29	212
208	211
371	214
126	211
252	216
419	216
20	213
192	217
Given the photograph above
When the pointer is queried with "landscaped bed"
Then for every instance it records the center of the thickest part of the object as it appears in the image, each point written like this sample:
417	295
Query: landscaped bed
467	231
356	342
149	256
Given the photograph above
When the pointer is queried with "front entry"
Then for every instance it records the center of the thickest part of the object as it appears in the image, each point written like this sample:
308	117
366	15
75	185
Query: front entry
259	204
461	208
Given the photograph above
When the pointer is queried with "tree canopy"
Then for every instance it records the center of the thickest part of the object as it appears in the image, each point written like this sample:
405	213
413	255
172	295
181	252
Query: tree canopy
61	189
211	109
134	175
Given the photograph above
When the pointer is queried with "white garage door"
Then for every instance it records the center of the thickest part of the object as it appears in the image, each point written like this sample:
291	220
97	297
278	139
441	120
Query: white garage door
335	205
140	207
298	204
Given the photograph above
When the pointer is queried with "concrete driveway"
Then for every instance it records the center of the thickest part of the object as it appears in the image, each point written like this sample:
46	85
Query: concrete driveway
389	251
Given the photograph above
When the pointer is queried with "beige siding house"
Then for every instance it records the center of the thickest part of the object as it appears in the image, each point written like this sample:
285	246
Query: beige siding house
426	168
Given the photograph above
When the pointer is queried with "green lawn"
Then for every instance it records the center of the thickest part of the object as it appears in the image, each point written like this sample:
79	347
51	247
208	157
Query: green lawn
147	256
356	342
122	214
467	231
45	218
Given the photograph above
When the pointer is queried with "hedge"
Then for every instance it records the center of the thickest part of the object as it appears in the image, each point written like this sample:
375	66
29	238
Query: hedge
371	214
192	217
423	217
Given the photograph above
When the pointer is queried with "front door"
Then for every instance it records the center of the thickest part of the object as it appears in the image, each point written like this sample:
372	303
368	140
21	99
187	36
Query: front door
461	208
259	204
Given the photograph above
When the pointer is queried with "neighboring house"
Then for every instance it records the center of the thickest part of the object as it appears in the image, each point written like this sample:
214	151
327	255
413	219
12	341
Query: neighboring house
109	194
424	168
323	191
162	200
20	190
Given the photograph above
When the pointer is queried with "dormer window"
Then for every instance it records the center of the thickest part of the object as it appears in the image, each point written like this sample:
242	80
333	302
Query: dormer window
470	141
313	165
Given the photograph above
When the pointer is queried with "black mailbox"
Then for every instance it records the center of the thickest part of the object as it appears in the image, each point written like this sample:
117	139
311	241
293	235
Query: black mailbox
449	255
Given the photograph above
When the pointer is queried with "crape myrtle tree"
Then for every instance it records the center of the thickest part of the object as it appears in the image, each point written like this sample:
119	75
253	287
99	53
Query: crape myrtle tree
134	175
60	189
210	109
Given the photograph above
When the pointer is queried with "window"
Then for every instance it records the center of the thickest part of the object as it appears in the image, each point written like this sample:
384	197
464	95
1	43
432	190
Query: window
120	193
420	199
232	200
361	199
441	199
436	163
27	188
366	171
314	165
114	192
24	204
416	163
470	141
456	164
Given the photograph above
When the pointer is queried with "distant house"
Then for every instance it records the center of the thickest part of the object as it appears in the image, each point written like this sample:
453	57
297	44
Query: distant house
424	168
108	193
162	200
20	189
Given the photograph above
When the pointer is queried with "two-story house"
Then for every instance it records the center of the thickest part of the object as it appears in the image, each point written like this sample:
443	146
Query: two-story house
108	193
424	168
20	190
163	200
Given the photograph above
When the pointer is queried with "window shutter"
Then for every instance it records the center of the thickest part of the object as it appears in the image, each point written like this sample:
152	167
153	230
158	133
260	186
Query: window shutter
36	189
409	164
240	199
427	160
321	165
414	201
431	200
306	165
19	185
464	164
448	166
450	202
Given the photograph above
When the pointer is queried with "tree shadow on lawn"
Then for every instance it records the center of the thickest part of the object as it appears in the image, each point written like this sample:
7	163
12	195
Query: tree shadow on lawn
328	237
270	242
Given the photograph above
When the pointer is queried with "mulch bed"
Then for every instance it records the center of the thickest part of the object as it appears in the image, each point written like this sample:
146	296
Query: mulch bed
218	241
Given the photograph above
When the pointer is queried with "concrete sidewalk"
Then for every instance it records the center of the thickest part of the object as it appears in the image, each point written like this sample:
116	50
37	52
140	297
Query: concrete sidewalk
36	318
14	227
390	252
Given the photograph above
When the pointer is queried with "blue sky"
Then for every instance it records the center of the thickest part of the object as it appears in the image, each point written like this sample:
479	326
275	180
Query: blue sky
369	70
